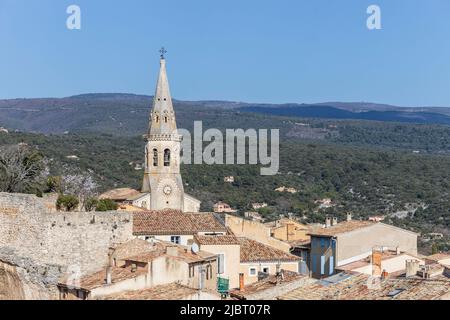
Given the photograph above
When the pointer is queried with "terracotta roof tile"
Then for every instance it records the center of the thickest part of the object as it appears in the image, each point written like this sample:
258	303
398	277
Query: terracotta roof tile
355	287
217	240
267	283
173	222
253	251
342	227
171	291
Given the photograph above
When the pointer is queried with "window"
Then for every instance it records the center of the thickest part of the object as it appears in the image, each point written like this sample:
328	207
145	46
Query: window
265	269
166	158
220	263
191	271
166	119
208	272
322	242
175	239
155	157
252	271
157	119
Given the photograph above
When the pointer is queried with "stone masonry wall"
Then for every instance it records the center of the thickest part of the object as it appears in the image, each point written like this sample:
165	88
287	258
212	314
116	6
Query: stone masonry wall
46	244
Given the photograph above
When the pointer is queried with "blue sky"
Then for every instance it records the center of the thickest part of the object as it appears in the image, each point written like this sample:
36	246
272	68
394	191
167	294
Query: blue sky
241	50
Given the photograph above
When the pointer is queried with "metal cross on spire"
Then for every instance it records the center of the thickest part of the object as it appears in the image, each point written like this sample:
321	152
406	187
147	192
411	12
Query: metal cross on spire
163	51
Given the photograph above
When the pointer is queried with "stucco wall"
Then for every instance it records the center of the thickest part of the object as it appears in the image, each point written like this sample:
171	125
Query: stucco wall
362	241
232	255
248	279
255	231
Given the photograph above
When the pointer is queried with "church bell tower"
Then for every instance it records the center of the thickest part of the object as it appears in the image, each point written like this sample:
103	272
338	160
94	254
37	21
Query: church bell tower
162	178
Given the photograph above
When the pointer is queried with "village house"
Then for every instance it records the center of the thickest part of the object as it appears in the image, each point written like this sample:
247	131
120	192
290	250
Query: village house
221	207
337	244
242	260
175	226
382	261
258	205
288	230
286	189
229	179
254	216
156	264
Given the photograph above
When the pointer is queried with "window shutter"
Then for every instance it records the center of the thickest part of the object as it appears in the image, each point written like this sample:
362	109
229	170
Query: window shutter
322	264
221	263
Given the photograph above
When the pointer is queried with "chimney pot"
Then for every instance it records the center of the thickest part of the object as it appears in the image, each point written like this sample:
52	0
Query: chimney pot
327	222
412	266
349	217
108	275
335	221
241	282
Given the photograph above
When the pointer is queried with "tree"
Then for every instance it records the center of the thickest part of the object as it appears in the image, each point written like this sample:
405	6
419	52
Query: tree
67	202
22	169
90	204
106	205
82	185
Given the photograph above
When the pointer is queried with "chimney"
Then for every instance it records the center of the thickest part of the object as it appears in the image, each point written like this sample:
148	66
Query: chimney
335	221
108	275
109	266
384	274
376	262
241	282
412	266
397	250
172	251
349	216
327	222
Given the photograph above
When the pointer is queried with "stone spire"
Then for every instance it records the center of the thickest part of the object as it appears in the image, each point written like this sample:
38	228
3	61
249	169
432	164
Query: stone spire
162	117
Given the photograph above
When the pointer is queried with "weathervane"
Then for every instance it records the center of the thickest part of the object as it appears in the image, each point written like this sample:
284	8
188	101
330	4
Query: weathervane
163	51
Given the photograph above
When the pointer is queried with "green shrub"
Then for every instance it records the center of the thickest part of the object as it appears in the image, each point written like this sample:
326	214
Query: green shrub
106	205
67	202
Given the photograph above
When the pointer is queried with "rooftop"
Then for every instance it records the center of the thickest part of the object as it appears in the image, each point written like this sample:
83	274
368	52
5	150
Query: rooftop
253	251
341	227
438	257
145	255
171	291
357	287
174	222
119	194
267	283
217	240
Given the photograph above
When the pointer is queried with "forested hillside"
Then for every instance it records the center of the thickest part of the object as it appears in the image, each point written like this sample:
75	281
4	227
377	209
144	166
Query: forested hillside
412	190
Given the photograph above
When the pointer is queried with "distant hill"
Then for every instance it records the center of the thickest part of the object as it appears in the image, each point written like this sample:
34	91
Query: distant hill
127	114
330	112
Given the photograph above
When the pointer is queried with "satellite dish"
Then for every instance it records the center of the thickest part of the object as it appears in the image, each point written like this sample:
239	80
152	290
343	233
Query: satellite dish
195	248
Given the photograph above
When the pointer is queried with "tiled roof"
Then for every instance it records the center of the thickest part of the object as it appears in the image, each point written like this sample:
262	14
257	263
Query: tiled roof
267	283
217	240
355	287
253	251
173	222
183	253
132	248
98	279
342	227
171	291
159	249
119	194
438	257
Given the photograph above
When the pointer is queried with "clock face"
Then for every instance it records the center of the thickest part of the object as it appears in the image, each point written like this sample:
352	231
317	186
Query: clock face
167	190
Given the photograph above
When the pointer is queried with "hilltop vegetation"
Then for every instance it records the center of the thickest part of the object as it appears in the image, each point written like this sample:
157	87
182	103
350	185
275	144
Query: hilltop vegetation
412	190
